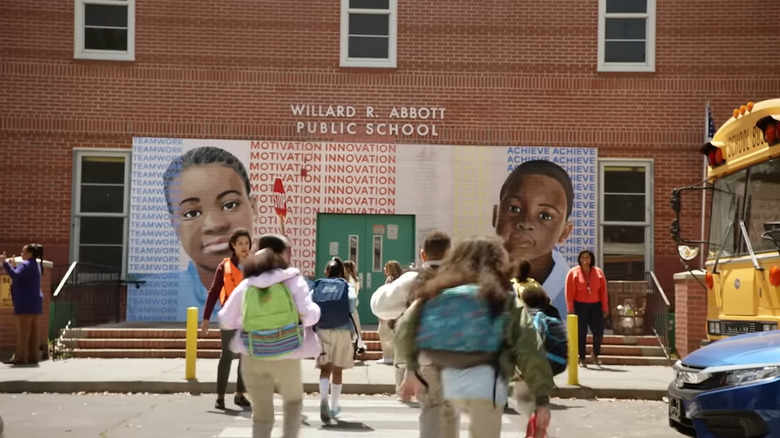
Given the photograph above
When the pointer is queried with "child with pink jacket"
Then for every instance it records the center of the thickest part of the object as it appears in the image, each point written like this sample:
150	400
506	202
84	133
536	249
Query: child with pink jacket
267	267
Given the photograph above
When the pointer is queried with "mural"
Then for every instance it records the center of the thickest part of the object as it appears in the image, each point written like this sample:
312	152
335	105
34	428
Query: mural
188	195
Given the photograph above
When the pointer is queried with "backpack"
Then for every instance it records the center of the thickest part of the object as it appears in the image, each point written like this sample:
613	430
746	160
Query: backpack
332	295
458	320
553	333
271	322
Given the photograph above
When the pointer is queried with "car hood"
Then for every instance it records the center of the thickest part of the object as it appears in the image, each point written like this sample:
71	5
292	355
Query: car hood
753	348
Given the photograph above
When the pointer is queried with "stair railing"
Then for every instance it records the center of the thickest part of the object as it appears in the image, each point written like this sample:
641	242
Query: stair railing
86	294
662	317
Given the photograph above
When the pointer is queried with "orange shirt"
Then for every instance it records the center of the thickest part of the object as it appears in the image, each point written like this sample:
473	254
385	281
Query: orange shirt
577	287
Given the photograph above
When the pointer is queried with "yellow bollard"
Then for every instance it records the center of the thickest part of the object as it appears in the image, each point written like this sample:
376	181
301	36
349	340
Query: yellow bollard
192	343
571	322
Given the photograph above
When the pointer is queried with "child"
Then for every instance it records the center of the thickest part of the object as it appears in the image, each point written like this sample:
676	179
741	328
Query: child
337	300
548	324
270	280
469	324
532	216
350	272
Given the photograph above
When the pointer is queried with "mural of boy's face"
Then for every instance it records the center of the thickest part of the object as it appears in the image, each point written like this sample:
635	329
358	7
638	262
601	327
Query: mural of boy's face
532	217
210	203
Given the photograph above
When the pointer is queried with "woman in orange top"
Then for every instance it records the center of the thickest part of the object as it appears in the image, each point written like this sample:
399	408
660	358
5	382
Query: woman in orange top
586	296
226	278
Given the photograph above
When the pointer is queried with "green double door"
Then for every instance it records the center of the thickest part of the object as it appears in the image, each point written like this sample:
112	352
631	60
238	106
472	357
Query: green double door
370	241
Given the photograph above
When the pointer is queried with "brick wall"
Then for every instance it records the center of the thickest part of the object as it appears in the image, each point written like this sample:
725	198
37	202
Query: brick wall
8	320
509	74
691	313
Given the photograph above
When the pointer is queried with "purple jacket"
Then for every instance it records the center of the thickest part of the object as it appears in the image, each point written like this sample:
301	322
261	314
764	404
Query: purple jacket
230	315
26	287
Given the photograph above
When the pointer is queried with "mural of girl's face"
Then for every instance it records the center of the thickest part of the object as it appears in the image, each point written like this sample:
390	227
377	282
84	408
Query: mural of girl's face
210	202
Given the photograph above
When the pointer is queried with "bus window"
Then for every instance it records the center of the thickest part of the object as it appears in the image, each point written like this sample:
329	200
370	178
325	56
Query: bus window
726	209
763	202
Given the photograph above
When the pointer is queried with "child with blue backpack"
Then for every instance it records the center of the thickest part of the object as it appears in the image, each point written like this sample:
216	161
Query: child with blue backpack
273	315
337	300
470	324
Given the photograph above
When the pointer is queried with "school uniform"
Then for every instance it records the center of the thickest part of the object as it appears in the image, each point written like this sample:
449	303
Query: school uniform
261	375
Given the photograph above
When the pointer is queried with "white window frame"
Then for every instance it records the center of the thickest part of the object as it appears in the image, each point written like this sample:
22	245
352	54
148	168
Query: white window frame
75	210
649	64
79	52
648	223
390	62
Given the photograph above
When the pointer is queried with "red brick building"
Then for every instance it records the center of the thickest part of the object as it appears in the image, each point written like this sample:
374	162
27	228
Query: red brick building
628	77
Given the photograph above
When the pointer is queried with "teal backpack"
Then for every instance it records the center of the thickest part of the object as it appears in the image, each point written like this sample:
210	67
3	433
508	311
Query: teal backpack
458	320
271	323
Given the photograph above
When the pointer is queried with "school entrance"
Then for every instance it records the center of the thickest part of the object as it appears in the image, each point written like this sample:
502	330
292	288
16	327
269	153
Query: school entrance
370	241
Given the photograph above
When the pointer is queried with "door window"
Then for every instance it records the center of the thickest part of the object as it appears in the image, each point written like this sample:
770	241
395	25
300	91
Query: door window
626	227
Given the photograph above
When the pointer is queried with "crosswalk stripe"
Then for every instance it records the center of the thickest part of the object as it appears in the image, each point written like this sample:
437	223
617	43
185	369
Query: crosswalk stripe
406	416
383	418
246	432
374	410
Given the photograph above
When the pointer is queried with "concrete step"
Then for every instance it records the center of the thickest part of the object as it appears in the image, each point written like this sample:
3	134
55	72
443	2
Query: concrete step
649	341
142	343
628	350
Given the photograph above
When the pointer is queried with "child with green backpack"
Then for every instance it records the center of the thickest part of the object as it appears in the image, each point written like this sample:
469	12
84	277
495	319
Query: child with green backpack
273	315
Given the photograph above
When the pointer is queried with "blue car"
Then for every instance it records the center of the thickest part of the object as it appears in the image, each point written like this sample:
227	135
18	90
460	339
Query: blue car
730	388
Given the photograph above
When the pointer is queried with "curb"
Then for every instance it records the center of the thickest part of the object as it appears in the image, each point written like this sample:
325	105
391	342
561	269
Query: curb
584	392
193	387
196	387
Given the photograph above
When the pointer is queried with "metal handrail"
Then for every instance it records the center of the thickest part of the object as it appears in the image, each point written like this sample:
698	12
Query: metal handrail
663	338
660	289
65	278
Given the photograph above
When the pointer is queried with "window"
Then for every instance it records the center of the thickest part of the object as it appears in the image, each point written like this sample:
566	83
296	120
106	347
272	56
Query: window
100	208
368	33
626	35
626	219
104	29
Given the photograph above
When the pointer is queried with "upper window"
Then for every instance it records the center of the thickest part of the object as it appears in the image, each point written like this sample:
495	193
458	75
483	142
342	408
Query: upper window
626	35
368	33
104	29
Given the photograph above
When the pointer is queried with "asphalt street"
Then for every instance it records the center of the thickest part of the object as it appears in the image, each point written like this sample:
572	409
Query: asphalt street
184	415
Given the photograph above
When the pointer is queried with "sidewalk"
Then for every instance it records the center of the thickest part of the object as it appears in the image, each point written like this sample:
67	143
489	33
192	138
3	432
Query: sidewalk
167	376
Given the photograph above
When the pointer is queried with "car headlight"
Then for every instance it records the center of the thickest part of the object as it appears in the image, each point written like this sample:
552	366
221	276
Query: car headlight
751	375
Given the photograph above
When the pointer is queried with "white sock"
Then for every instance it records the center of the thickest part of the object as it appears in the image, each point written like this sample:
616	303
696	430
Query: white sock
324	384
335	393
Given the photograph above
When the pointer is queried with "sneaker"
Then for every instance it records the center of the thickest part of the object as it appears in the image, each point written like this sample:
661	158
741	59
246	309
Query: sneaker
385	361
324	411
335	412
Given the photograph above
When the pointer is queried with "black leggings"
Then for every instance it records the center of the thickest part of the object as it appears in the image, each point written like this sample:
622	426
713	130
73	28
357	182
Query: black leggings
589	315
223	369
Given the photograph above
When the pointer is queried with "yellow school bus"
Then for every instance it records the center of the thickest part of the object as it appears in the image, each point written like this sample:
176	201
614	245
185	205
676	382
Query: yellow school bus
742	221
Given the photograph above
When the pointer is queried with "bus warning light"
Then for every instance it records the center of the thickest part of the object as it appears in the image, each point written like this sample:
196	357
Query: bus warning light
709	280
774	275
